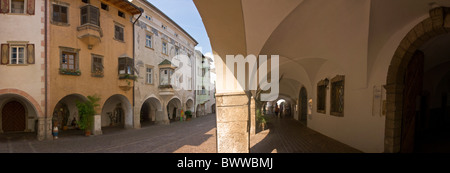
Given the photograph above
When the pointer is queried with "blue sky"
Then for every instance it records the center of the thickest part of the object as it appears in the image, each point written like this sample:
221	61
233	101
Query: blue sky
185	14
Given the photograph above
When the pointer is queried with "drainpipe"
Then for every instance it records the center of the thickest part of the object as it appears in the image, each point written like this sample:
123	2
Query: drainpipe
134	54
45	64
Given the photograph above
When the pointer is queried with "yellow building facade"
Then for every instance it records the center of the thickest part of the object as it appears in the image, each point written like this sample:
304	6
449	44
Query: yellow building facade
91	53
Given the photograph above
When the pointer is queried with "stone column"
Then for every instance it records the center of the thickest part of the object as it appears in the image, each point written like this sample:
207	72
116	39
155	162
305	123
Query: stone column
97	128
252	116
41	129
137	118
161	118
232	123
48	128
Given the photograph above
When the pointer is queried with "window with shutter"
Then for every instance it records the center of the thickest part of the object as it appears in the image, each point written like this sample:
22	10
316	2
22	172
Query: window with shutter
30	7
93	15
68	61
90	14
17	53
4	6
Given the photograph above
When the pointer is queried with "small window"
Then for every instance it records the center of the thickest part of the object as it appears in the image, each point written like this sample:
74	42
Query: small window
118	34
337	96
149	75
85	1
17	54
148	41
59	14
164	48
177	51
97	66
105	6
321	96
121	14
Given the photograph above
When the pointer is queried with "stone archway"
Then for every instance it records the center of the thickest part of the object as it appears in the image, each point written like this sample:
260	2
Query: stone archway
174	109
437	24
117	111
149	111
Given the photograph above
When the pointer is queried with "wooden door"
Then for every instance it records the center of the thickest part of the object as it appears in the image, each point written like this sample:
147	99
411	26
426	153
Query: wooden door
411	93
13	117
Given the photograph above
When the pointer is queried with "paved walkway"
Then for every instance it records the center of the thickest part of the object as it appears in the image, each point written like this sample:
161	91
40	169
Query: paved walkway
287	135
195	136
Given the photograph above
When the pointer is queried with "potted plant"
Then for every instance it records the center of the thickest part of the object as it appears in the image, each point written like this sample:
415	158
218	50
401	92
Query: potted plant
86	111
261	119
188	114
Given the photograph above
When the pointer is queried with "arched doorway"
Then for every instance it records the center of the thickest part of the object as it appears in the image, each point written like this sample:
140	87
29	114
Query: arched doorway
416	111
13	117
213	108
174	109
117	112
19	112
66	111
303	105
149	111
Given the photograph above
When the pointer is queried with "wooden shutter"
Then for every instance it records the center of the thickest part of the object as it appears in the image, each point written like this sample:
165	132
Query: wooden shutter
5	54
4	6
30	54
84	15
94	15
30	7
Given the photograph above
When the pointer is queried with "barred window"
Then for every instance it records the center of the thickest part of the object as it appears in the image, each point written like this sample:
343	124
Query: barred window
337	95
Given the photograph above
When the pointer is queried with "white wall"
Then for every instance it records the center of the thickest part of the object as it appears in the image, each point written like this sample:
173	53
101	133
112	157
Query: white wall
29	28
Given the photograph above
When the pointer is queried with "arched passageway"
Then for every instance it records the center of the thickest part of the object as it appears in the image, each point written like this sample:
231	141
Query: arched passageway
174	109
117	112
149	111
65	112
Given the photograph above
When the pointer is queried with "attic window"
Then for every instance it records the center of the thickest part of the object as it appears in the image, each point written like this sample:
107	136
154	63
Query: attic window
121	14
105	7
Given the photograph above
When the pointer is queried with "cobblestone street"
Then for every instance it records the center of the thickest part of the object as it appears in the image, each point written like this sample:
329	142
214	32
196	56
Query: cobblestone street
196	136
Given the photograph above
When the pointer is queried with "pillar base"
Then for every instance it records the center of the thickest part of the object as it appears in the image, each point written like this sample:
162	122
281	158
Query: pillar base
163	122
97	129
232	123
48	128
